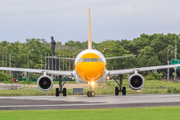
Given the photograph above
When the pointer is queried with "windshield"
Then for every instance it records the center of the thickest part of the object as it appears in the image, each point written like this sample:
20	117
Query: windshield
90	60
99	59
93	59
80	60
86	60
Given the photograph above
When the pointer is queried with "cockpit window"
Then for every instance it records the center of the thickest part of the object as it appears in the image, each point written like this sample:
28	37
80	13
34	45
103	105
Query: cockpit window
86	60
93	59
80	60
99	59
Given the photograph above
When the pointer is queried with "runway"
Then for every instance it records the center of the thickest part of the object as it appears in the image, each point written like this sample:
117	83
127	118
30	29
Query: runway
84	102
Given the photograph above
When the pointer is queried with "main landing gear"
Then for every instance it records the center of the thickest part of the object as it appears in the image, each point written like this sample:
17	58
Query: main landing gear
61	89
120	89
91	93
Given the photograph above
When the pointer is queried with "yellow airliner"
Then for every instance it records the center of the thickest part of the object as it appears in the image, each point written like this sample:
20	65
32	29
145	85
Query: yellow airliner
90	68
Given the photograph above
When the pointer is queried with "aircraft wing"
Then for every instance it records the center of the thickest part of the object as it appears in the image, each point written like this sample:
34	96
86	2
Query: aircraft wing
126	71
118	57
52	72
63	58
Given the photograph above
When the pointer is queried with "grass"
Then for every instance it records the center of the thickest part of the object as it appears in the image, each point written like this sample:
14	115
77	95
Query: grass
67	82
151	113
150	87
33	83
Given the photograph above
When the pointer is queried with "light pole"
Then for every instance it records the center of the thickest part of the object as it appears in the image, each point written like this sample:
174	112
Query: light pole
69	63
104	50
175	55
41	61
175	59
28	60
168	64
10	61
168	61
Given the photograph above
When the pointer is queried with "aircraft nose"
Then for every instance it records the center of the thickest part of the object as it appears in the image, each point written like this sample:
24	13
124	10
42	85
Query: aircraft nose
94	72
93	68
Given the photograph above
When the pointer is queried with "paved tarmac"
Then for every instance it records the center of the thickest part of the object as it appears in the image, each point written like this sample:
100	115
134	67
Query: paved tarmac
84	102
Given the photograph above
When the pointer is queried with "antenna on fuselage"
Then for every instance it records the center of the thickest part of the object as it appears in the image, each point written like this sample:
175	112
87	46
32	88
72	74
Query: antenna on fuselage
89	32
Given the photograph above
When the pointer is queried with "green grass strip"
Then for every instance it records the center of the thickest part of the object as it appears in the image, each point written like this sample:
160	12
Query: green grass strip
150	113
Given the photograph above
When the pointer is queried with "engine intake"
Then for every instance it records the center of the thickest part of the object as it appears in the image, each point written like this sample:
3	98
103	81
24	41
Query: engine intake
45	83
136	82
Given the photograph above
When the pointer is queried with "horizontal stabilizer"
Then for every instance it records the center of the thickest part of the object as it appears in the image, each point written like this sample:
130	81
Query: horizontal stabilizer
63	58
118	57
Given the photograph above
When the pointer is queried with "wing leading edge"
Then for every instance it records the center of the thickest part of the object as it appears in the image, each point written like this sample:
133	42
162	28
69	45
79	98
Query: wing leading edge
118	57
133	70
52	72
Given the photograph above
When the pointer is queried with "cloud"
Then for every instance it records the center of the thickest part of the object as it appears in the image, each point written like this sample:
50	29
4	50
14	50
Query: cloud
115	19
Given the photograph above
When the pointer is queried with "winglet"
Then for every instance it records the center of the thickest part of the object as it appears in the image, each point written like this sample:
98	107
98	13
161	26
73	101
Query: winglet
89	32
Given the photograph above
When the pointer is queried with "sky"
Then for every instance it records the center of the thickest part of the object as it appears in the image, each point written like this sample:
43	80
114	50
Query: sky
68	19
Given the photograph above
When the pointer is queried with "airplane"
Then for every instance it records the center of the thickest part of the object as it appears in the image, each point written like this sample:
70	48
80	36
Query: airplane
90	68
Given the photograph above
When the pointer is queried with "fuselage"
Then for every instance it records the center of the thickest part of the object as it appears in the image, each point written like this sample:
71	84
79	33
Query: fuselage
90	65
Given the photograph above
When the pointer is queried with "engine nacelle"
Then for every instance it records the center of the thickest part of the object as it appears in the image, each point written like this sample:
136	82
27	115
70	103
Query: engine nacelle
45	83
136	81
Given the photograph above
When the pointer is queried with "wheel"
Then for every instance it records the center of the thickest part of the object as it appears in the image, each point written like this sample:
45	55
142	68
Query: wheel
89	94
116	91
92	93
124	91
64	91
57	92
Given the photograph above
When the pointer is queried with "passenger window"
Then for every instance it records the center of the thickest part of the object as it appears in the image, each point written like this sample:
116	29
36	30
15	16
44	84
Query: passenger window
99	59
80	60
93	59
86	60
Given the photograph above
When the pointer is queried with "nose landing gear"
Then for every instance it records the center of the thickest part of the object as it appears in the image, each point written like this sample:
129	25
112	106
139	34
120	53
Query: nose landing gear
91	93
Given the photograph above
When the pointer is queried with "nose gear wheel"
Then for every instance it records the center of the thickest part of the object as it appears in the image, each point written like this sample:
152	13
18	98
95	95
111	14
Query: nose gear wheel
90	93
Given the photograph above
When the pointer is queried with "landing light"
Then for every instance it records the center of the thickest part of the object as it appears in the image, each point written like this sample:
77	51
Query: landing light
92	83
108	77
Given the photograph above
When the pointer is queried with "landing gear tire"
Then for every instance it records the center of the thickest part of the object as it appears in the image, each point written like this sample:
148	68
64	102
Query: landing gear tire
116	91
57	92
64	91
89	94
92	93
124	91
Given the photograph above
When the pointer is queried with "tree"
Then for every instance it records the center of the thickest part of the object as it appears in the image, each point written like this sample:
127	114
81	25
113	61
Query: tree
147	57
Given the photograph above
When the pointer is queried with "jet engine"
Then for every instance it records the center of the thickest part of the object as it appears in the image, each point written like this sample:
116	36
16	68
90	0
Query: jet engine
136	81
45	83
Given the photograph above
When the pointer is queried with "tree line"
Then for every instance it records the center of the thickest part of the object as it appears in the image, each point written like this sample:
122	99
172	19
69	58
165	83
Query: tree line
150	50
